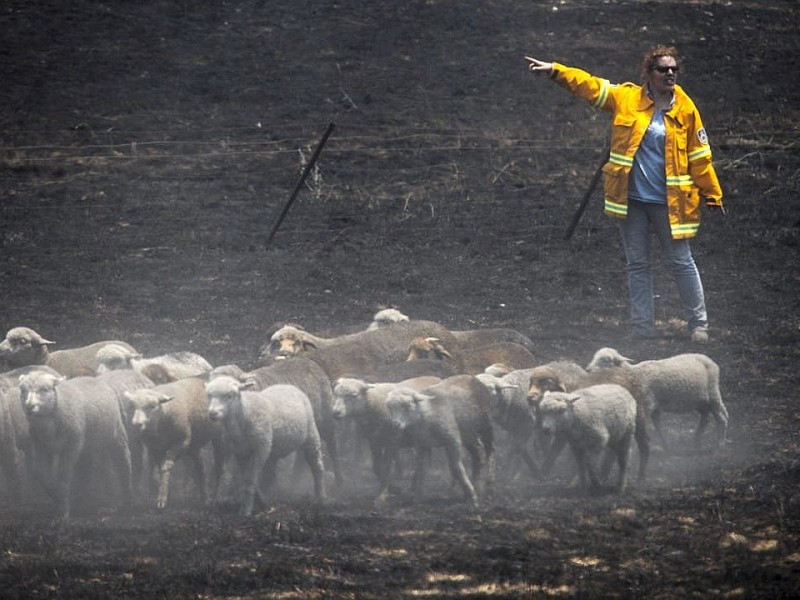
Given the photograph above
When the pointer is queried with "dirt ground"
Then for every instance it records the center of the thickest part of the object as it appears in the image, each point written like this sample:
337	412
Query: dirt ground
148	149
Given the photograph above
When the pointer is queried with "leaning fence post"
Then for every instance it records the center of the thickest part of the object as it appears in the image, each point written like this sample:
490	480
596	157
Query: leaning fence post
300	183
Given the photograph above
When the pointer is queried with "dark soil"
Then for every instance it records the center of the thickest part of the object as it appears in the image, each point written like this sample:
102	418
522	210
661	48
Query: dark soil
148	149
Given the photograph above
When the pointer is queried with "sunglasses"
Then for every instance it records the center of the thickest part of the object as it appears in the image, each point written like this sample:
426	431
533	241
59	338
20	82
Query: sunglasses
665	69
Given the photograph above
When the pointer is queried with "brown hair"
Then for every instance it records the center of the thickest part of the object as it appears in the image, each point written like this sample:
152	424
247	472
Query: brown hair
651	57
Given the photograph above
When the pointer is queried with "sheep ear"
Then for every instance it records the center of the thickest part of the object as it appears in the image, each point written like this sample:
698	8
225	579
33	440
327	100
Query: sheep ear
44	342
164	399
560	386
246	385
572	399
440	349
309	344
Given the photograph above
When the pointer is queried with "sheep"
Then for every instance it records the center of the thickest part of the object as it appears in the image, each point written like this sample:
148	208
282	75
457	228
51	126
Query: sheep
309	377
454	413
593	419
22	346
15	441
160	369
263	427
680	384
365	403
74	420
511	413
565	376
172	421
359	354
474	360
511	410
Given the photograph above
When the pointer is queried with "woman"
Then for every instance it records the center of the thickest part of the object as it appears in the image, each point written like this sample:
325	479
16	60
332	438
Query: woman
658	171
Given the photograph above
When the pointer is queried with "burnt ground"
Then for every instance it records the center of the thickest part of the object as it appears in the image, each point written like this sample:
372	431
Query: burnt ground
147	150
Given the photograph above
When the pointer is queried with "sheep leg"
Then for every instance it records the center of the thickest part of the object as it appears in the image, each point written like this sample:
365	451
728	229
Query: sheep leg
522	449
219	464
642	443
701	427
64	475
721	417
423	458
382	466
122	460
623	456
164	473
329	436
460	473
552	453
313	454
655	416
251	478
199	473
475	451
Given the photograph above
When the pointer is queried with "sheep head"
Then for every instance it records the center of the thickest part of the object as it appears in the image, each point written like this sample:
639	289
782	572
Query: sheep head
430	347
608	358
23	346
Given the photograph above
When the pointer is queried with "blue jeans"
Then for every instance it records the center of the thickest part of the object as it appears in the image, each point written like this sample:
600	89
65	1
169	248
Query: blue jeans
635	230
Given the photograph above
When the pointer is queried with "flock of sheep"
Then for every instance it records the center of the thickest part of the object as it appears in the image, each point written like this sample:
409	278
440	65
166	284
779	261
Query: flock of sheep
396	384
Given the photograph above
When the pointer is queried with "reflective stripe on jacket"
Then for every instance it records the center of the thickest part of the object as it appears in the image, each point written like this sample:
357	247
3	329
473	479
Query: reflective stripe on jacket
689	171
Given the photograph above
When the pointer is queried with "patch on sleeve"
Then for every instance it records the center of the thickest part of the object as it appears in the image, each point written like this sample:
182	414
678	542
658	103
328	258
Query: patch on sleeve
702	136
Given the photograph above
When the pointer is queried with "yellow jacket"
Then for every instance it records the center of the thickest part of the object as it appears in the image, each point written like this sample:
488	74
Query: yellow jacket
689	171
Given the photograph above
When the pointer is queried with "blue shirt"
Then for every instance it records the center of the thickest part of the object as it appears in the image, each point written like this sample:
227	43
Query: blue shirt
648	178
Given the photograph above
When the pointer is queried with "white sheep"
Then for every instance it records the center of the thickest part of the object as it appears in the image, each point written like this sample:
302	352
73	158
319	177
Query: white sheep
23	346
678	384
160	369
566	376
452	414
15	439
365	403
309	377
172	421
71	420
263	427
593	420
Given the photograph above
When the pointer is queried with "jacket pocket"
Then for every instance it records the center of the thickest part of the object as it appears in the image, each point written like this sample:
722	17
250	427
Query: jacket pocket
616	182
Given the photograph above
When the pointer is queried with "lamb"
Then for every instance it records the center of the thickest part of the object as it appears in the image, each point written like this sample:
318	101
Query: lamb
682	383
365	403
160	369
22	346
309	377
564	376
15	441
454	413
593	419
172	420
475	360
263	427
359	354
74	420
